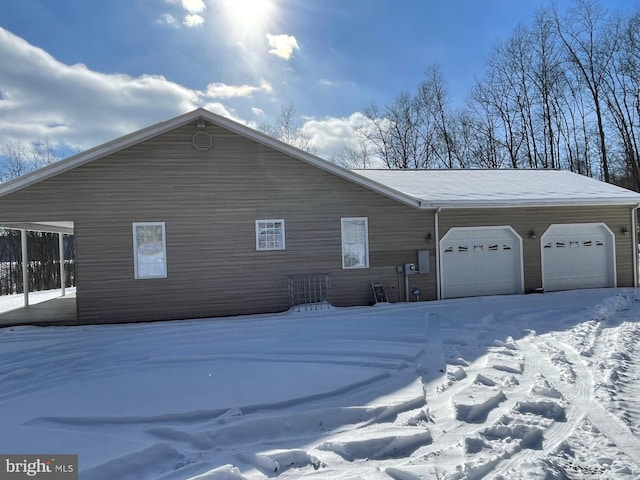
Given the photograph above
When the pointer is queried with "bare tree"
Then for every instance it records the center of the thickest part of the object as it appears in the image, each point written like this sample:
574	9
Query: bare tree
287	128
16	158
497	117
43	152
395	133
622	96
437	122
415	130
575	134
357	153
548	82
558	92
582	32
516	60
13	161
478	144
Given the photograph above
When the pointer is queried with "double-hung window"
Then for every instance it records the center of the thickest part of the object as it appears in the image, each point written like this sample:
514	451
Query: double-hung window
149	250
270	234
355	242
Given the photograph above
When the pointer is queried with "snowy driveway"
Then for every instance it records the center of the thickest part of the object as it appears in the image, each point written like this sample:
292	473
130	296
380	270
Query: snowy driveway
537	386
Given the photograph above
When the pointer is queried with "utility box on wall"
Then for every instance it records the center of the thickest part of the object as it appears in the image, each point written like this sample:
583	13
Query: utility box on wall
409	269
424	265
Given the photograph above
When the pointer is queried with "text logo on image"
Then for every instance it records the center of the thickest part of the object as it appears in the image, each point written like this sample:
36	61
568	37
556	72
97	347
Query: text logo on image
49	467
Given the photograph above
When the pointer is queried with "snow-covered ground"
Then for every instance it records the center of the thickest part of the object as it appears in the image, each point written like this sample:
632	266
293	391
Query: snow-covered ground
515	387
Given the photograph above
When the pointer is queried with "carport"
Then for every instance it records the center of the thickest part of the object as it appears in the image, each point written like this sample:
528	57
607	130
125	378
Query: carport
61	310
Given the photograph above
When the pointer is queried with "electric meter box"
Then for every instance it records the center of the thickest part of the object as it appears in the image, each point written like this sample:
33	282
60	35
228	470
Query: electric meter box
410	269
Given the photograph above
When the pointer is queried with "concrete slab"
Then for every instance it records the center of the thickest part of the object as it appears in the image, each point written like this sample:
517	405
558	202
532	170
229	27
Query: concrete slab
58	311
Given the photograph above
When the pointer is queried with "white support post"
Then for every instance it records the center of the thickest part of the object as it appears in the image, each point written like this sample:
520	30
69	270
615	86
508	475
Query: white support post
62	270
25	267
438	269
634	243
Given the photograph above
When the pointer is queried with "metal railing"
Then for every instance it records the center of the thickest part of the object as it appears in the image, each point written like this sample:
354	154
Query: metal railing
310	291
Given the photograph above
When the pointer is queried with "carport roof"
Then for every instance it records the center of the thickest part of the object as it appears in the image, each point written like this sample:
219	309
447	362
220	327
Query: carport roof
500	188
41	226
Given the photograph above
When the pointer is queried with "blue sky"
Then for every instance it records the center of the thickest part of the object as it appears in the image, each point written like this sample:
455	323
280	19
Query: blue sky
83	72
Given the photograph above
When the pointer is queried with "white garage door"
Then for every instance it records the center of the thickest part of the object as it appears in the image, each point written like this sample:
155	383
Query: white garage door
481	261
578	255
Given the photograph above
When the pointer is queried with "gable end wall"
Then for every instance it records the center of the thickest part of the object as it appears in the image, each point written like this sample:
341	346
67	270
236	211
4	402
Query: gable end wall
209	202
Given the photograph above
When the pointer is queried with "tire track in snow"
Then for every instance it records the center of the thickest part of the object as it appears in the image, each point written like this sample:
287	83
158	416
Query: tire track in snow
536	354
449	430
581	397
619	385
566	367
629	399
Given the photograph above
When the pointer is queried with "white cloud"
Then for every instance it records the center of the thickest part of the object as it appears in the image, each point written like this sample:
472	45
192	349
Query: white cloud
193	6
168	19
193	9
43	98
330	83
220	109
193	21
73	105
332	134
222	90
282	45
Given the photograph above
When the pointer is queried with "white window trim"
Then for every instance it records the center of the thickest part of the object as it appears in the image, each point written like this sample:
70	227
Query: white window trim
366	240
272	220
135	249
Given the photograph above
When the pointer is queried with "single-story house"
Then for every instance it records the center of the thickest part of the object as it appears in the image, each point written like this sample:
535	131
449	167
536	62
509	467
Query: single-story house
201	216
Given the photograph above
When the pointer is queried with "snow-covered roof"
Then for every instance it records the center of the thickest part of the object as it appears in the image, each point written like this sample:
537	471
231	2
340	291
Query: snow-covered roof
493	188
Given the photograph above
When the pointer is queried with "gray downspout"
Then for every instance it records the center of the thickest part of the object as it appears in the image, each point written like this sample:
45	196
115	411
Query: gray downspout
634	240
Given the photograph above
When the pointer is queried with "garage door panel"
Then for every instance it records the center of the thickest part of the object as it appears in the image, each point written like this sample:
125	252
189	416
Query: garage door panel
481	261
578	256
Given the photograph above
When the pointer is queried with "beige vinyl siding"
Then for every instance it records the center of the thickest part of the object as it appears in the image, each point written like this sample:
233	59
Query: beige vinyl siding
209	202
523	220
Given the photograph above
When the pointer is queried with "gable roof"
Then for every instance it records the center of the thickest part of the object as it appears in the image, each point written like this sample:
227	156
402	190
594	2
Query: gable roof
147	133
501	188
424	189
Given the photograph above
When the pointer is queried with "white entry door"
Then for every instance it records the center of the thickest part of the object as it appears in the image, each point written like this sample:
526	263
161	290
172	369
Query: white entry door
578	255
481	261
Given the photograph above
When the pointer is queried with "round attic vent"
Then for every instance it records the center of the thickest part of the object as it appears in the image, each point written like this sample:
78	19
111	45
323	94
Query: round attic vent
202	141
